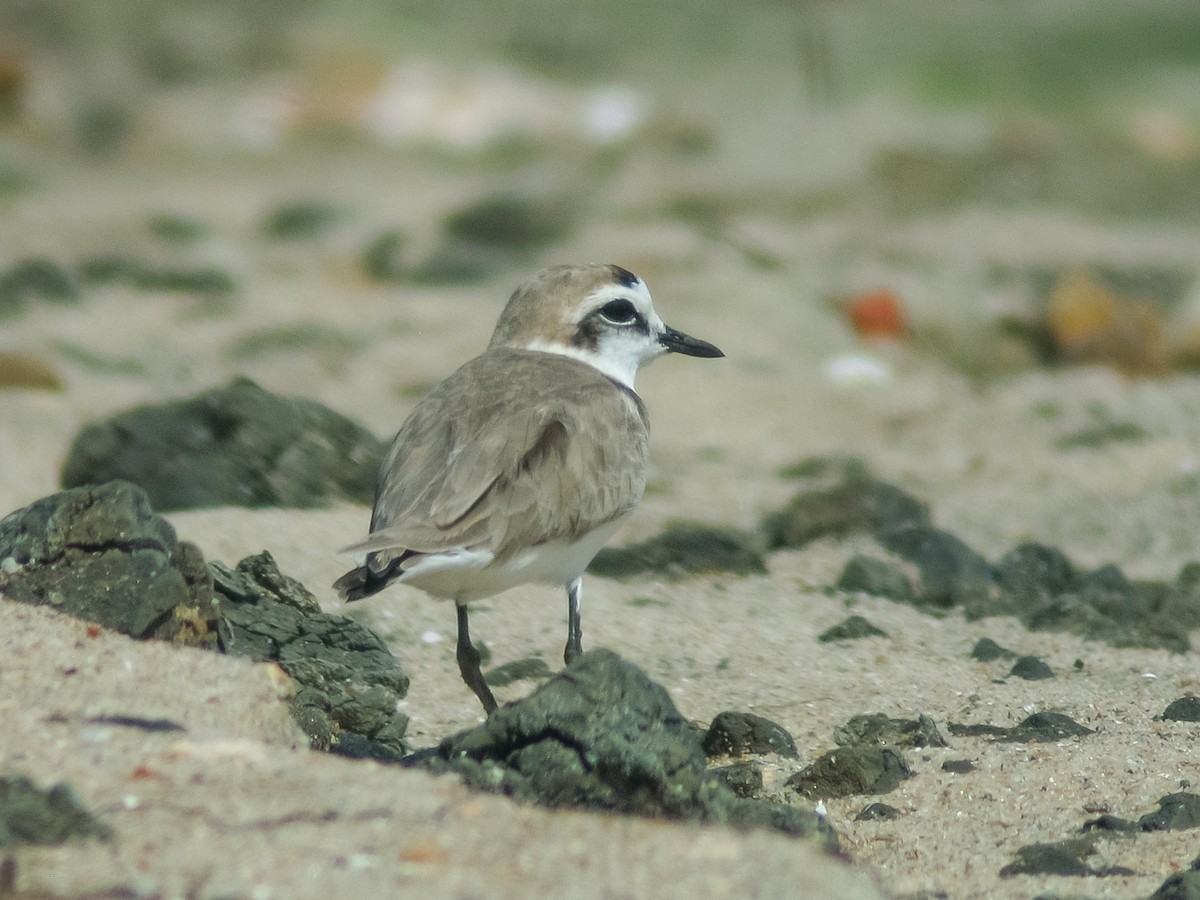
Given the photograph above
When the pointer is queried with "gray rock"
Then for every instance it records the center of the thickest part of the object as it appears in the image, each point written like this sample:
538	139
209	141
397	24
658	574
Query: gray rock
851	628
233	446
1185	709
987	650
684	548
1175	812
1031	668
102	554
350	681
738	733
1179	886
851	770
857	503
30	815
876	729
600	735
874	576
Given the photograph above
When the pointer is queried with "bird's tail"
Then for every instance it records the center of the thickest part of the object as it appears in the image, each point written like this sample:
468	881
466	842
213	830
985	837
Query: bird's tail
364	580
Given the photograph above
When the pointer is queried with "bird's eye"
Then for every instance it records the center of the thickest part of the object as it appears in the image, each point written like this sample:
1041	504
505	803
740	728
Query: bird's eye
619	312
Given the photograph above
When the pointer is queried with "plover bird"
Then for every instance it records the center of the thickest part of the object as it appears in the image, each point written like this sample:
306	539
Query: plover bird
520	466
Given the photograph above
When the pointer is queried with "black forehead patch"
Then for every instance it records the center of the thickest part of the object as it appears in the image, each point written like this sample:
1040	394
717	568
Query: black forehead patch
624	277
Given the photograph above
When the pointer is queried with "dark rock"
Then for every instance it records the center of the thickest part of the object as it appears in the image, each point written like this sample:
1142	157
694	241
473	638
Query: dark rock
350	681
102	554
1111	594
958	766
986	731
120	269
32	279
1046	728
176	228
1181	603
533	668
511	221
822	472
876	577
1030	575
743	778
1033	570
1043	727
1059	858
736	734
1175	812
300	219
381	259
493	236
894	512
1179	886
684	549
876	729
600	735
136	722
858	503
851	770
952	574
1108	822
1185	709
877	811
30	815
1031	668
1102	434
851	629
987	650
238	445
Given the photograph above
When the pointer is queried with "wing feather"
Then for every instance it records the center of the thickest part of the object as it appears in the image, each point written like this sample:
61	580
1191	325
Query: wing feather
546	448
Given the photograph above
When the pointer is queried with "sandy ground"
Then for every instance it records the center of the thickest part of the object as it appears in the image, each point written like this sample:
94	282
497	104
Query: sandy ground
236	806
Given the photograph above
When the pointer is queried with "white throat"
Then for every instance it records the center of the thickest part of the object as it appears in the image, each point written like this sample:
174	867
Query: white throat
618	359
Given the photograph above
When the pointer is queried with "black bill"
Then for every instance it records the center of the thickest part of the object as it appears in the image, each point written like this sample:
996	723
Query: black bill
678	342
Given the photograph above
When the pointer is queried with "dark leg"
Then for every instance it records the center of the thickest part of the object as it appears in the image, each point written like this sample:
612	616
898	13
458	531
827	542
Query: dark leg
574	626
468	663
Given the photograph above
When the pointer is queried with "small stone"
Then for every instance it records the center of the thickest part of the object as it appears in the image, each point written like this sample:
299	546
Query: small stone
876	577
850	629
31	815
1061	858
382	260
1175	812
1179	886
878	730
1031	574
987	650
738	733
958	766
877	812
851	770
743	778
1031	668
300	219
1046	728
1185	709
952	574
35	278
684	549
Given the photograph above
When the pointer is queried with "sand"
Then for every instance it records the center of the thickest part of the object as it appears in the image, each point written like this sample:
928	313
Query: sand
236	805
